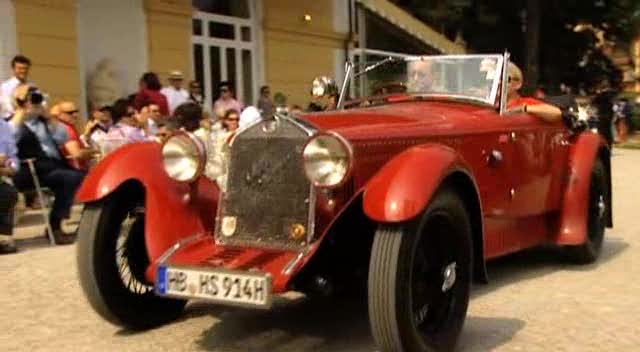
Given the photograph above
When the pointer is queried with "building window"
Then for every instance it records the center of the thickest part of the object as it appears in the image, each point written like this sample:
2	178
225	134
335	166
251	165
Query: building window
235	8
224	47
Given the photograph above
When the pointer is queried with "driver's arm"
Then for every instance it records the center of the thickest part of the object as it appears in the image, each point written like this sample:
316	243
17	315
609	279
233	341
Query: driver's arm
547	112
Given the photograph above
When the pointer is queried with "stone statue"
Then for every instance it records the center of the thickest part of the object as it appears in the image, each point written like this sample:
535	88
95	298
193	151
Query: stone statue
104	87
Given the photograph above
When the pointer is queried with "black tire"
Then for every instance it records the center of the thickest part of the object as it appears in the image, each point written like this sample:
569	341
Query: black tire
112	259
407	269
597	216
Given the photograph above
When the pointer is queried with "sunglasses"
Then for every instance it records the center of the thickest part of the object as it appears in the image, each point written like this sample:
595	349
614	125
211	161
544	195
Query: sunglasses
233	119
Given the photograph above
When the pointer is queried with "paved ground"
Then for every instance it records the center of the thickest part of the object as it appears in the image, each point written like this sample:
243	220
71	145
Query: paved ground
534	303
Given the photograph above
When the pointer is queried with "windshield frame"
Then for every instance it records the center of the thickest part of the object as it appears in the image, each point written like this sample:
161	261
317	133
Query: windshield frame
498	84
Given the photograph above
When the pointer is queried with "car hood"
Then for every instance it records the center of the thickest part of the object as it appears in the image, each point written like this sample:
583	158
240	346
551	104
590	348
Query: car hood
400	120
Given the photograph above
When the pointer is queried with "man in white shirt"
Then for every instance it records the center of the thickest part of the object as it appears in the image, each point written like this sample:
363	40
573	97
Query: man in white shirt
175	94
20	66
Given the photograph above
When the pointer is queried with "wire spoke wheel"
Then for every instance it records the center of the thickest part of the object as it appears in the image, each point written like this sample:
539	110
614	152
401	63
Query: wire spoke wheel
131	258
113	261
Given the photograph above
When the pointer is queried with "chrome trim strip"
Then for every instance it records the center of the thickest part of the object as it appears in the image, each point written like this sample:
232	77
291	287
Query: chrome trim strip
345	84
288	269
180	244
505	82
497	82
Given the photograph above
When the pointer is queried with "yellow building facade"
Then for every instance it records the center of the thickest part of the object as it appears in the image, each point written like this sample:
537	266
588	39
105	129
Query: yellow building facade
83	50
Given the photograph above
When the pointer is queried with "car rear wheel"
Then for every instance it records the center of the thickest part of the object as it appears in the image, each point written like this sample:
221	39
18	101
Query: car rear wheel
589	251
112	260
420	277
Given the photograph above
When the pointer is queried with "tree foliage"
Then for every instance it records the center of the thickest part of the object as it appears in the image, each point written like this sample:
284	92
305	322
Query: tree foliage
564	54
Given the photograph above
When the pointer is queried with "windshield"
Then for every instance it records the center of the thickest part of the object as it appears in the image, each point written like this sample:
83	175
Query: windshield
473	77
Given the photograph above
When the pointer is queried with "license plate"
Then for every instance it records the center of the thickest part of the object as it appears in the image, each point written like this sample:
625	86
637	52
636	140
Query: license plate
219	285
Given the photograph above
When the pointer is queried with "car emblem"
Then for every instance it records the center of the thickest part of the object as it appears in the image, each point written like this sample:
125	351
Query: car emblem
229	225
269	126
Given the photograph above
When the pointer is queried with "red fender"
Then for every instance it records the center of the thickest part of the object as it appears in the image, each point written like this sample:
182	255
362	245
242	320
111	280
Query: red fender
174	210
573	214
405	185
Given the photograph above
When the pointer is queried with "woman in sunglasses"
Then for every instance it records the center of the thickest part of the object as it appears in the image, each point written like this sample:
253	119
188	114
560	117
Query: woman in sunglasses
226	101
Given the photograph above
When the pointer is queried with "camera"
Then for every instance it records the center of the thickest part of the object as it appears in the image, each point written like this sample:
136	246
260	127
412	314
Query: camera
34	96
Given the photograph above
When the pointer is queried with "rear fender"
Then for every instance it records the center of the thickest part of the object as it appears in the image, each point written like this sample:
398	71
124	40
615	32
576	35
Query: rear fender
173	210
587	148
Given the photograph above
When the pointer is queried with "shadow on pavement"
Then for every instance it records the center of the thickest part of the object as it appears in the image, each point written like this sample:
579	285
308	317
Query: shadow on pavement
338	325
482	334
537	262
341	324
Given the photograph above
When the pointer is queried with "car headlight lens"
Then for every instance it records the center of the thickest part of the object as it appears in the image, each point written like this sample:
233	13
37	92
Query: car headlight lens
327	160
183	157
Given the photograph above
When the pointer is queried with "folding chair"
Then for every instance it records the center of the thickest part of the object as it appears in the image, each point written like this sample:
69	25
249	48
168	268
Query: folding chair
44	200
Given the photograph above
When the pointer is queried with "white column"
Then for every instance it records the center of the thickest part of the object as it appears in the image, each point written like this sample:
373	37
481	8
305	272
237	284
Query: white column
115	30
8	41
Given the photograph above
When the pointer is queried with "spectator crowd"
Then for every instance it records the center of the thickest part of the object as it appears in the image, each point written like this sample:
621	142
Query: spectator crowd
51	141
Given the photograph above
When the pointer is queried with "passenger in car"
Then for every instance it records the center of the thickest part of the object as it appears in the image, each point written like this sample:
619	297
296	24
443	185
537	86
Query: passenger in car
518	103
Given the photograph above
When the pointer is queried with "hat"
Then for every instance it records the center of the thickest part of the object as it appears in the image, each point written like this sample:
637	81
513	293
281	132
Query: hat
176	75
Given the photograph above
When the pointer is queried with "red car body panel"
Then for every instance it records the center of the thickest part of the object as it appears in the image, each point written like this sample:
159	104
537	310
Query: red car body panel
173	210
402	151
573	227
404	186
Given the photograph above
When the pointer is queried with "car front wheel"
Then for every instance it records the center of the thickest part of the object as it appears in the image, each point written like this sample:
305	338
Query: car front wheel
112	260
420	277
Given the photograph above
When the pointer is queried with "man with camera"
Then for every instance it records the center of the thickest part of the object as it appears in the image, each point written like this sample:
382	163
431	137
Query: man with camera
20	66
41	137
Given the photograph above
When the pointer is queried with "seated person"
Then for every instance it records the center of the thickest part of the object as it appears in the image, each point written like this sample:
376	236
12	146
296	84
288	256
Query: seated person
188	116
97	127
74	150
217	148
41	137
419	76
166	128
154	118
127	124
9	164
517	103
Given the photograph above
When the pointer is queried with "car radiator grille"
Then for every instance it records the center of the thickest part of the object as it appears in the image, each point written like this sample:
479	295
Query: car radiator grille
267	193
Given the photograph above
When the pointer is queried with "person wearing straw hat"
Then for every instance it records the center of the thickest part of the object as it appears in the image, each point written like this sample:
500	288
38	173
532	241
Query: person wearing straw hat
175	94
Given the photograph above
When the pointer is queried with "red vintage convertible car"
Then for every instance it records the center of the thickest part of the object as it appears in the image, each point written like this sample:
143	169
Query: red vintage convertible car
407	188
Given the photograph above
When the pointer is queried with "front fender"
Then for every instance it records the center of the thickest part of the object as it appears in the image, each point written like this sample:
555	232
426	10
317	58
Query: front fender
173	210
405	185
574	211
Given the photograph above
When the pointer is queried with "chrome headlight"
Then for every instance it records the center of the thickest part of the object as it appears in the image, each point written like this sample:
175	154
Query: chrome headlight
183	156
327	160
323	86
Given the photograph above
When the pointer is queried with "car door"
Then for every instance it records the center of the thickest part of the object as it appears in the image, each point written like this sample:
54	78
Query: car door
539	148
491	154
